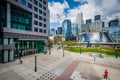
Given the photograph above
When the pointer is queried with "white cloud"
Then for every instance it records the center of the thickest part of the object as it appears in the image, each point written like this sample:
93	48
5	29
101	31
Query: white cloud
57	11
108	9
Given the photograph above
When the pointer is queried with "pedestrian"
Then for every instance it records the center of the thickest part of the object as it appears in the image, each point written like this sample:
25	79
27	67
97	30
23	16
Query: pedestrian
106	74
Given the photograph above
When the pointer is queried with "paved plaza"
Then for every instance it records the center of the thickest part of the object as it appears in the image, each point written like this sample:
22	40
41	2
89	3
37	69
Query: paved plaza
72	66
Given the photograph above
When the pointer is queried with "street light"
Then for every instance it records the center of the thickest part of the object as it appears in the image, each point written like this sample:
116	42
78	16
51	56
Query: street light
116	52
35	62
63	51
80	49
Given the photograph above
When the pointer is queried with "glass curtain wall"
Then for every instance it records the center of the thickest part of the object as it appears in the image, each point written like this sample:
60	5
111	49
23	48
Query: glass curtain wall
2	14
27	45
21	19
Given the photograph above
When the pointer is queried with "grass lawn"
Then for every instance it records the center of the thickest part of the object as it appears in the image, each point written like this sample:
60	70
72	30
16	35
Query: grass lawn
107	51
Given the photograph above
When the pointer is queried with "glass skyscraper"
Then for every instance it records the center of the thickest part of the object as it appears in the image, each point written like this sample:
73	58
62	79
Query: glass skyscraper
66	29
74	31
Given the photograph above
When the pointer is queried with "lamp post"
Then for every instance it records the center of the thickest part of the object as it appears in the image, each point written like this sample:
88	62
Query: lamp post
63	51
35	62
116	52
80	49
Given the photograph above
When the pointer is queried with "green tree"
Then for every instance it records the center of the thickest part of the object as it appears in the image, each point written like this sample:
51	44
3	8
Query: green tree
50	44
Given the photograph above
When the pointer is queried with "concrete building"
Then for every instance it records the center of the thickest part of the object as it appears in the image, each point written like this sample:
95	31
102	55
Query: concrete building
66	29
96	26
23	26
86	28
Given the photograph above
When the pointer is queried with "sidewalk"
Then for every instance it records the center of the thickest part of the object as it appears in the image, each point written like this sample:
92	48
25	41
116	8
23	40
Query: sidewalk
51	67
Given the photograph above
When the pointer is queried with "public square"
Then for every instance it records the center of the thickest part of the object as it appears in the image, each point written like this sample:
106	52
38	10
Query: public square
73	66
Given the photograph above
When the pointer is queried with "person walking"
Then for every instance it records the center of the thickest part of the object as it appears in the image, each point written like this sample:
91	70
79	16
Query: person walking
106	74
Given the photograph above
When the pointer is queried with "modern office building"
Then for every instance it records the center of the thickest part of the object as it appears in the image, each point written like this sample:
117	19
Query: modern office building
97	17
59	29
56	32
79	21
89	21
114	23
23	26
74	28
97	25
86	28
53	32
66	29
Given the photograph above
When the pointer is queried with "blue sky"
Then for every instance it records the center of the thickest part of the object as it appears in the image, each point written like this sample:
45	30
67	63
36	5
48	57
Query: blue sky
67	9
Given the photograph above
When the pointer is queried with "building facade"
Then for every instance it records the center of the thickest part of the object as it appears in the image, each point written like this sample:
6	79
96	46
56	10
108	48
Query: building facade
114	23
23	26
97	17
89	21
86	28
96	26
66	29
74	31
79	21
59	29
53	32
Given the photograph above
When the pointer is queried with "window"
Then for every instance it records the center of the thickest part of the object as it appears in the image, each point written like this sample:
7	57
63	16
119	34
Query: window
40	17
40	24
44	25
40	11
40	0
2	15
29	5
44	14
44	19
40	30
35	29
36	9
35	16
44	31
35	22
44	2
23	2
40	5
35	2
44	8
1	40
21	19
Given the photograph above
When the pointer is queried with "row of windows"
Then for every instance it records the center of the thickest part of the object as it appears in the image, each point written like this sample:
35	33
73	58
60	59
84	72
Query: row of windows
36	2
40	17
2	15
21	19
40	30
35	8
40	24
